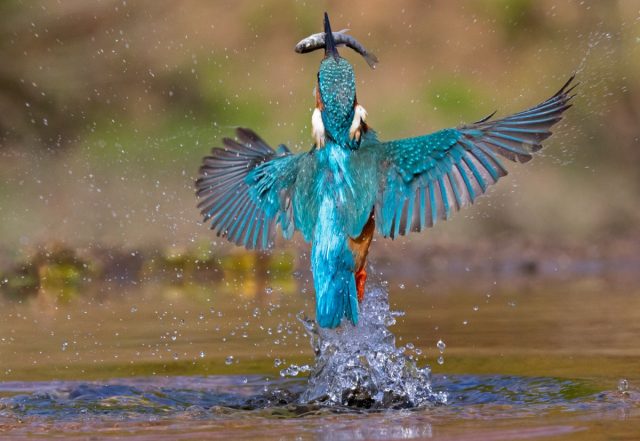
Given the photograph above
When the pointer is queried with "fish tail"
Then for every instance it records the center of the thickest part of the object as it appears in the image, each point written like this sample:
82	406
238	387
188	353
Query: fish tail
371	59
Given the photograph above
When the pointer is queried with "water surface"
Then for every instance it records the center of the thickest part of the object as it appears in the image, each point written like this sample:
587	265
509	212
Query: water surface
518	361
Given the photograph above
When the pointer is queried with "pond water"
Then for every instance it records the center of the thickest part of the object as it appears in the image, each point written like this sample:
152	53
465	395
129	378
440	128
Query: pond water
520	359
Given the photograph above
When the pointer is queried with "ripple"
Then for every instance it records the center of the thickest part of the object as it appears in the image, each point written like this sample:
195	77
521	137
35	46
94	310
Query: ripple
249	407
225	395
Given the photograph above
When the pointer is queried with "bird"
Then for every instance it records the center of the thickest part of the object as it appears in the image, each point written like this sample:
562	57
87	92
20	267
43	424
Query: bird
351	184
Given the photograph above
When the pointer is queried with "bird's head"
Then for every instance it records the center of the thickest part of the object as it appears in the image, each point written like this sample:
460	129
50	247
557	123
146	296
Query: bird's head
335	94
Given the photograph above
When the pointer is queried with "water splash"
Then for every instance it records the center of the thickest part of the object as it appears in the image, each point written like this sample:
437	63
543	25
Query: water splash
362	366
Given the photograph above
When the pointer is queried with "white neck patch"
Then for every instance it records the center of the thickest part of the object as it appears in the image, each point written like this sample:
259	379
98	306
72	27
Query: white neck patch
317	128
360	115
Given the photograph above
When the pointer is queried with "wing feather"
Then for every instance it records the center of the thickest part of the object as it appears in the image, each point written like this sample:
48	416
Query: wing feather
426	179
244	190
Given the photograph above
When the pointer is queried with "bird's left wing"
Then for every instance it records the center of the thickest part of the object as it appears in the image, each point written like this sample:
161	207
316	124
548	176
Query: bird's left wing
426	178
245	190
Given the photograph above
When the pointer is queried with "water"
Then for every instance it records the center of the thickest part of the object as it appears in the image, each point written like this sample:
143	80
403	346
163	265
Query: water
362	366
560	364
251	407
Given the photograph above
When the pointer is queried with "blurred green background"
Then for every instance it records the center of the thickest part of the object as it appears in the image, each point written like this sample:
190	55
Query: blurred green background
106	108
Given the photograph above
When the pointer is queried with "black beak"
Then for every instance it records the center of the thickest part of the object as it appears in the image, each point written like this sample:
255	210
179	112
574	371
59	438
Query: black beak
330	48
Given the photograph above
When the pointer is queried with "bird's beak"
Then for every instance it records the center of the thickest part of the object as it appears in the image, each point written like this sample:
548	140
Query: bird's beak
330	48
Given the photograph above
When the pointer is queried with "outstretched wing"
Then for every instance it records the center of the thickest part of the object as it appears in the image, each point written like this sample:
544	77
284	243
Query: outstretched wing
245	190
426	178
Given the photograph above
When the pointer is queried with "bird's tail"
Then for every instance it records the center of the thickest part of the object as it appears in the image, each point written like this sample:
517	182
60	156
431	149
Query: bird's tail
332	266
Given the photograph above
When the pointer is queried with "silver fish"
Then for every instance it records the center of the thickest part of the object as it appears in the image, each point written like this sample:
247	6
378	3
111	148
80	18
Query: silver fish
316	41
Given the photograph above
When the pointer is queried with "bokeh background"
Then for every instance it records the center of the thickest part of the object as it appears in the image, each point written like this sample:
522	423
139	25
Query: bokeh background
107	107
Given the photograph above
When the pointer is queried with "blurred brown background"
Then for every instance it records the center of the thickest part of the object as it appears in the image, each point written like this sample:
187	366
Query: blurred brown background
106	108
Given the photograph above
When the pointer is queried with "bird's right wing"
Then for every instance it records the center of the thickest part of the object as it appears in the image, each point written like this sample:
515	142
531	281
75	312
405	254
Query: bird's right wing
245	190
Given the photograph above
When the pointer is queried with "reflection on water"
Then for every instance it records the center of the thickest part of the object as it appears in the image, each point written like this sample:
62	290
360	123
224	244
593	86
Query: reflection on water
61	274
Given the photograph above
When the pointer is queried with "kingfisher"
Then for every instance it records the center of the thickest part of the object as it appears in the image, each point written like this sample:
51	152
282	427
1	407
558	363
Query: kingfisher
351	184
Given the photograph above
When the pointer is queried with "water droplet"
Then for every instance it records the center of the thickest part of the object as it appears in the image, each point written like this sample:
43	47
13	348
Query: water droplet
133	310
65	345
277	362
229	360
202	354
623	386
441	346
476	308
441	360
401	286
268	290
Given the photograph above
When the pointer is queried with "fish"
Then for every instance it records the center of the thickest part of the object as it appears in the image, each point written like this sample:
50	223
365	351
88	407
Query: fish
316	41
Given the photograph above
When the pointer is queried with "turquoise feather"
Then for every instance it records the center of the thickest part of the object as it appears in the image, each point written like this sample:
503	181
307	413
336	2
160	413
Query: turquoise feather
331	258
337	84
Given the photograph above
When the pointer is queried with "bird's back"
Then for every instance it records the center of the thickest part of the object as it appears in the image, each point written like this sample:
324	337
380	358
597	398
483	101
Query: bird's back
331	172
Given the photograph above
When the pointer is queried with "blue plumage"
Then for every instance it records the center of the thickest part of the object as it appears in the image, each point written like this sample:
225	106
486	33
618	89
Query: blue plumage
350	183
333	262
